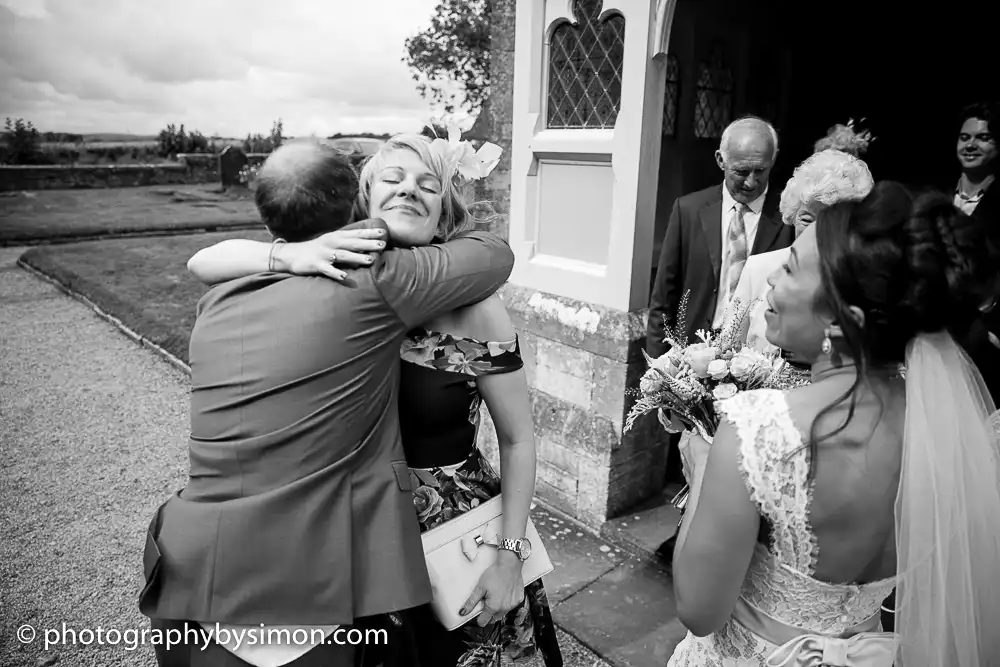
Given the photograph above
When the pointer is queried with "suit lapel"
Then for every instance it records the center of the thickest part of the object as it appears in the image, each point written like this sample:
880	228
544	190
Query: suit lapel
711	223
767	230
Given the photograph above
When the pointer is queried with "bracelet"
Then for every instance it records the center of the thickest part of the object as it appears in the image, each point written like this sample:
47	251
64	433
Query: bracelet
270	254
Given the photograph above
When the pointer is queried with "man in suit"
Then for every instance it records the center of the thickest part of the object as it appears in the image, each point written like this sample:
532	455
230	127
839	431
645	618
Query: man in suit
709	236
711	233
977	157
298	511
977	195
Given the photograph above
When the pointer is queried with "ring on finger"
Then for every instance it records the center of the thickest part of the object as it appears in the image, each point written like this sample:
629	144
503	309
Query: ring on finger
333	257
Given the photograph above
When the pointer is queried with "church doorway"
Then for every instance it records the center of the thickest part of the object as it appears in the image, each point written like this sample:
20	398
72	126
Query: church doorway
908	73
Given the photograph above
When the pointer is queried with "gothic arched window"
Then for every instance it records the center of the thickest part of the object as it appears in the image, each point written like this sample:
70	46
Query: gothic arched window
713	107
585	69
671	96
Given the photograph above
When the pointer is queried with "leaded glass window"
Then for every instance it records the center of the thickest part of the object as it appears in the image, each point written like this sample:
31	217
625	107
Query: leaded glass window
671	96
713	108
585	69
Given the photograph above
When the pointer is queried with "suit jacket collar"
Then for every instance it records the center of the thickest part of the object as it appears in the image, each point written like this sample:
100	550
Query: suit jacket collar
710	216
769	225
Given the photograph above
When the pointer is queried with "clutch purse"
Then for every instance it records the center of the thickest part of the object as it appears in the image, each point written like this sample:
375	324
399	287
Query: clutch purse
460	550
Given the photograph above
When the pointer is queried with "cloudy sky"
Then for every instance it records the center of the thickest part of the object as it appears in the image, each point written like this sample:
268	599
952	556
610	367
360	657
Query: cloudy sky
224	67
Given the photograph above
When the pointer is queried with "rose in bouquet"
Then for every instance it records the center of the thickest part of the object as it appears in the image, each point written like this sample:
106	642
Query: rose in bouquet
686	384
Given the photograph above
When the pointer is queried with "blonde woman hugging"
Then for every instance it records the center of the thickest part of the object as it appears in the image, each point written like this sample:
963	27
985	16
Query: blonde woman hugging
450	366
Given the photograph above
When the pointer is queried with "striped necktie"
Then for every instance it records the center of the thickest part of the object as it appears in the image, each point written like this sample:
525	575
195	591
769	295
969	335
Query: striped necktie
737	247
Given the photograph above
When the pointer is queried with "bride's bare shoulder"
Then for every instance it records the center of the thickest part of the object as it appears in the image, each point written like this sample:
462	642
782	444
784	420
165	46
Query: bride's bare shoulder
855	413
806	402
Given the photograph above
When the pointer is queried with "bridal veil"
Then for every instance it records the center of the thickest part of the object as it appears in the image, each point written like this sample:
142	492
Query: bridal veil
947	513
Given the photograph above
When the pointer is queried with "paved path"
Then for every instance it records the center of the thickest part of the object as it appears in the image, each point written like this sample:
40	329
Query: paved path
93	433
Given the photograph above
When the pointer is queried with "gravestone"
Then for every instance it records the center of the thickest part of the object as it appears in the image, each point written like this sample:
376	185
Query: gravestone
231	160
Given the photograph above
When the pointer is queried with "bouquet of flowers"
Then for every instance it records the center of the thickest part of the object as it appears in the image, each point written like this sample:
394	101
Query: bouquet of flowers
688	381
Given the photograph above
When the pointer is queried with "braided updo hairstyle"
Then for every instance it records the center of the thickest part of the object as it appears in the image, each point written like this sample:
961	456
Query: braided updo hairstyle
912	263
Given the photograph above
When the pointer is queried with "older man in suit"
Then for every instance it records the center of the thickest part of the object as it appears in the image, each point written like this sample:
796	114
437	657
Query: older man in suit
709	236
298	511
711	233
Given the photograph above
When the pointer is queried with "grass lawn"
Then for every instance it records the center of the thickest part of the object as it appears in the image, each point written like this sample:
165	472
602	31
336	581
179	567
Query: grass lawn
61	215
144	282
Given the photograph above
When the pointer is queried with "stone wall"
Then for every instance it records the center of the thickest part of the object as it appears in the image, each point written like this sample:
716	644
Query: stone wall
65	177
496	121
580	360
189	168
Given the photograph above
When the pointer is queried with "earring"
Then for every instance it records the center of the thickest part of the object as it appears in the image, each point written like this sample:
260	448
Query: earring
827	345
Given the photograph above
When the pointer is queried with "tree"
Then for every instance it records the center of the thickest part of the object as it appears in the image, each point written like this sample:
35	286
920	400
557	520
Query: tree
21	142
277	138
454	52
172	141
258	143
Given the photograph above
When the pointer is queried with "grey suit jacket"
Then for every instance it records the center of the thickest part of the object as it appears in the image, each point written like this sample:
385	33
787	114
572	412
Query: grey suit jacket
298	509
691	259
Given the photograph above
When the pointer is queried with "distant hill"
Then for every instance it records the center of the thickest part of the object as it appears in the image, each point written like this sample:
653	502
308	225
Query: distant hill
93	138
119	137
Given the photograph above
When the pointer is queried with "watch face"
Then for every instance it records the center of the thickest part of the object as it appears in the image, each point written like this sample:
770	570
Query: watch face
525	550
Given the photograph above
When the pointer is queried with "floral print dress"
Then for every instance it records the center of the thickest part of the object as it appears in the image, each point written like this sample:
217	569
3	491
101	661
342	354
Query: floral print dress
439	418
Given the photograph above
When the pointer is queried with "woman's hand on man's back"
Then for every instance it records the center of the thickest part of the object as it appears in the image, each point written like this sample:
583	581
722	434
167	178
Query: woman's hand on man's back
328	255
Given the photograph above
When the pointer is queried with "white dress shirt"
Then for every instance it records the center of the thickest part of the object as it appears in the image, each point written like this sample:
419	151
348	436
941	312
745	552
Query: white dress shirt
968	203
750	220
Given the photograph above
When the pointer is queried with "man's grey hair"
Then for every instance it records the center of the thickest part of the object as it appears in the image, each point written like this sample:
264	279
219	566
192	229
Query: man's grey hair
305	189
747	122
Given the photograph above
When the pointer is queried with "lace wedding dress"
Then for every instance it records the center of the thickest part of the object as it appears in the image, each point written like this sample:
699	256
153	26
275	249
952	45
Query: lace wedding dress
785	616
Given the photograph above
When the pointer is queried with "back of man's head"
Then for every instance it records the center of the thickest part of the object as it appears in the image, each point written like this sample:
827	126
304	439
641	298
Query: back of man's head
305	189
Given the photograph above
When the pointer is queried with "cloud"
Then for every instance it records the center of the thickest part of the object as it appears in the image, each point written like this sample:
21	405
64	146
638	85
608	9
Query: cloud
227	67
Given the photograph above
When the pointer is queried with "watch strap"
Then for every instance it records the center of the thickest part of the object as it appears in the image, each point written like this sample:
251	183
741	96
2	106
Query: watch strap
509	544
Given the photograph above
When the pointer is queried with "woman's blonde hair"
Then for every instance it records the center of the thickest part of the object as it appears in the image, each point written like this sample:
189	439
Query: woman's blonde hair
456	216
825	178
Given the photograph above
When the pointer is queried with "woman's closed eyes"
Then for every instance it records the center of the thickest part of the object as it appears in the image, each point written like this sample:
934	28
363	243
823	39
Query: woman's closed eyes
428	183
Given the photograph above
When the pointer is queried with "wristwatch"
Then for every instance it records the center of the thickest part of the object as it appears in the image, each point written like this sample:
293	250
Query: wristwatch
521	547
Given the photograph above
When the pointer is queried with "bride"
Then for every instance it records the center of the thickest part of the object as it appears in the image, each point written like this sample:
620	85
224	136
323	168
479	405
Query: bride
812	504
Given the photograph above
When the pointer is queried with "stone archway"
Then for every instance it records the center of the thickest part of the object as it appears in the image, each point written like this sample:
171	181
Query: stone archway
662	27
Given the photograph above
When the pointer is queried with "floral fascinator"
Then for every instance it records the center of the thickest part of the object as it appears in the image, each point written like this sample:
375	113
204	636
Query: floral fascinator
846	138
463	162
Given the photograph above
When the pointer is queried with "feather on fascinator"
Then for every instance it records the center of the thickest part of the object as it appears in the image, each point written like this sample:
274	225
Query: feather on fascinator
846	138
463	162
